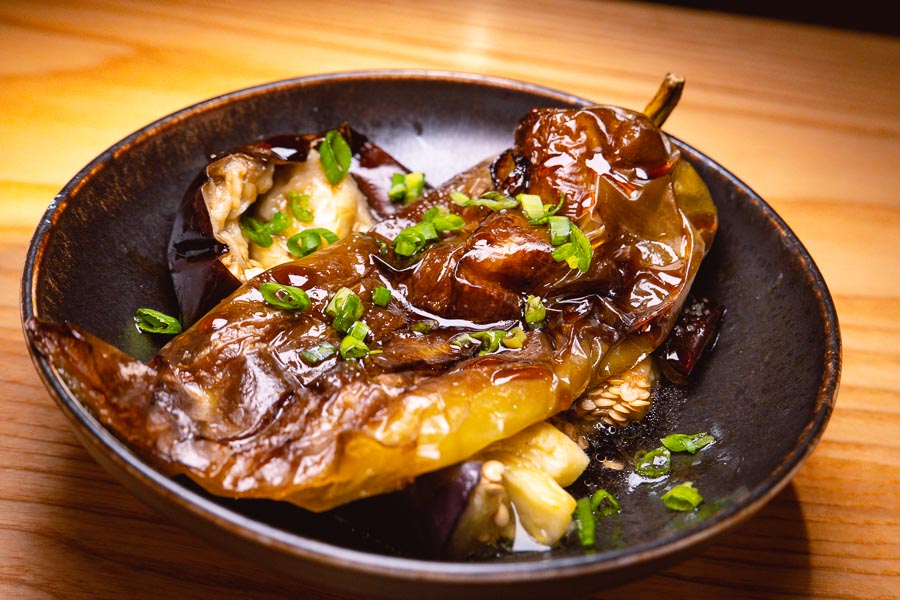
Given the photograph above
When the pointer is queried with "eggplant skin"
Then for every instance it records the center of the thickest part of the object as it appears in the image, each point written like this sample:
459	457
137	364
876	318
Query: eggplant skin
233	404
438	499
195	256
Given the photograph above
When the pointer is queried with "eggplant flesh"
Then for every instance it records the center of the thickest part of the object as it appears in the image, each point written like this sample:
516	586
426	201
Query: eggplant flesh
209	257
476	506
232	403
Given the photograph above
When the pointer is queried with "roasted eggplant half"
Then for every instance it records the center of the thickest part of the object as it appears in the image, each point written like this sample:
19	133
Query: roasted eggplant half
214	248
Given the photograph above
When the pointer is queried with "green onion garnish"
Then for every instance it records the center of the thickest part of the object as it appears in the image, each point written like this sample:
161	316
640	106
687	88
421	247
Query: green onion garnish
299	206
491	339
303	243
533	207
335	156
415	185
560	228
256	232
585	523
345	308
409	241
353	348
684	442
602	502
309	240
397	190
449	223
583	249
427	230
425	326
287	297
442	219
414	239
682	497
576	253
381	296
153	321
261	233
564	252
359	330
280	221
493	200
535	311
406	187
514	338
654	463
317	354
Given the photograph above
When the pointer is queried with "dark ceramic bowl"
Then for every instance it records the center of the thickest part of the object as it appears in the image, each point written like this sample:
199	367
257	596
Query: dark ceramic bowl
766	391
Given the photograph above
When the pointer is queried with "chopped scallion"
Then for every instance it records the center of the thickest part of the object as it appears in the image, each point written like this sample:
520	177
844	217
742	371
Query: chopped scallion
491	339
413	239
345	308
261	233
448	223
682	497
397	191
535	311
514	338
684	442
409	241
415	185
309	240
381	296
427	230
442	219
584	251
533	207
493	200
353	348
299	206
407	187
287	297
603	503
425	326
153	321
319	353
560	228
564	252
280	221
256	232
585	523
359	330
335	156
653	464
576	253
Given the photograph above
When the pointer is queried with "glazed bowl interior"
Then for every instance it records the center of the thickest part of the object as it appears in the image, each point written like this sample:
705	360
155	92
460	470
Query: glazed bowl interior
765	392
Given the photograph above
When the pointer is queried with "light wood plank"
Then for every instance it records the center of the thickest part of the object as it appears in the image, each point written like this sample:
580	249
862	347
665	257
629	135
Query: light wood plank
809	117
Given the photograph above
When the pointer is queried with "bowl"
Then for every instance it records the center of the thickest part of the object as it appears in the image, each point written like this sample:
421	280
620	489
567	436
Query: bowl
766	390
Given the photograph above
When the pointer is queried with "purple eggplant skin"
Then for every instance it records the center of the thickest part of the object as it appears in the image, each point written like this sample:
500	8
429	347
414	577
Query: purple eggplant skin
437	501
695	331
201	281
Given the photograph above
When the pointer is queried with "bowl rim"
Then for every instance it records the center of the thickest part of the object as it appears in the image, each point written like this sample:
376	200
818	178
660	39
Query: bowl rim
324	554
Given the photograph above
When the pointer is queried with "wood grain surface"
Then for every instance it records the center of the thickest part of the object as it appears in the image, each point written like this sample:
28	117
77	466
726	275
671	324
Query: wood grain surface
808	117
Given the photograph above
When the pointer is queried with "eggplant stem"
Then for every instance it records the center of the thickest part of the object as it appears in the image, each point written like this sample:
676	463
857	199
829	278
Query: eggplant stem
665	100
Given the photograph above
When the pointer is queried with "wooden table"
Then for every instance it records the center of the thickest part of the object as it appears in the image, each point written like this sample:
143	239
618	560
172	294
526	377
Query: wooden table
808	117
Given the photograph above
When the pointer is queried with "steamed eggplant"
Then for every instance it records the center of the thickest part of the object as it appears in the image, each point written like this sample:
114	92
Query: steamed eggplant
209	255
473	506
592	215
